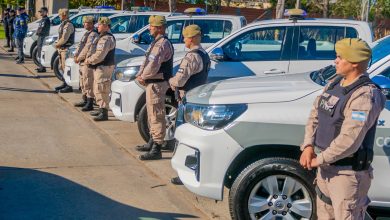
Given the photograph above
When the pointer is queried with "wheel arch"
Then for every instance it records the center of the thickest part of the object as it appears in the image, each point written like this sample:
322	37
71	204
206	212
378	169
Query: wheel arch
251	154
55	55
34	44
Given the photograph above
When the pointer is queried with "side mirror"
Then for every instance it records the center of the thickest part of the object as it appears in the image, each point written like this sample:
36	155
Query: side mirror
121	29
217	54
384	83
135	38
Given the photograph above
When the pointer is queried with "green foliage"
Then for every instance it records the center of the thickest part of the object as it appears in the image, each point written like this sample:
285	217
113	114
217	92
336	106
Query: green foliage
4	3
91	3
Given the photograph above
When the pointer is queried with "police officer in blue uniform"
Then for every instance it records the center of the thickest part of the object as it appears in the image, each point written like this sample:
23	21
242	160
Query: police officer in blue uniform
21	27
6	28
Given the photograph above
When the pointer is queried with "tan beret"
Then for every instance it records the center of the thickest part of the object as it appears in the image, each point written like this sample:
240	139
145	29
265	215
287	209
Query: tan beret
63	11
88	19
157	20
191	30
353	50
104	20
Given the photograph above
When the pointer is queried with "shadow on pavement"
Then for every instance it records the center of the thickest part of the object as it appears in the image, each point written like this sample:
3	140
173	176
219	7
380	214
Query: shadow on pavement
25	90
25	76
33	194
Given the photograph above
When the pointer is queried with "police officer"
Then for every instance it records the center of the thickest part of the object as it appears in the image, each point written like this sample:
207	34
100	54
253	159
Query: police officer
66	36
86	73
101	58
11	29
6	27
42	32
193	70
154	75
339	135
20	25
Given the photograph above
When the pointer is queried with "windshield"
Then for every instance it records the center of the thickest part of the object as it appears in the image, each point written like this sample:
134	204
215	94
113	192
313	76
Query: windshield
380	50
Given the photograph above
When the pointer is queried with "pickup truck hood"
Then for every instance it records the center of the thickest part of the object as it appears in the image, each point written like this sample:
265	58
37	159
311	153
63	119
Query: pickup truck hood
254	89
137	61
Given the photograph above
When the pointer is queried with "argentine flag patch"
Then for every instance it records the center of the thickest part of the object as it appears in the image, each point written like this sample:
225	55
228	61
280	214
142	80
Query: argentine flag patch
359	116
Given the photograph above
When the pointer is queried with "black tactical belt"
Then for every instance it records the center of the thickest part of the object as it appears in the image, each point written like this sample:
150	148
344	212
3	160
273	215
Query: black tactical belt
348	161
154	80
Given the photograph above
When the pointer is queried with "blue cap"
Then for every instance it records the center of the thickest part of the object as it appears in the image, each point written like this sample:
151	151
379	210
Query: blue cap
21	8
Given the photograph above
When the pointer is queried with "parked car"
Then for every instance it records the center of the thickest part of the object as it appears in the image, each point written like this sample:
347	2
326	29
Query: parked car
245	134
268	47
122	26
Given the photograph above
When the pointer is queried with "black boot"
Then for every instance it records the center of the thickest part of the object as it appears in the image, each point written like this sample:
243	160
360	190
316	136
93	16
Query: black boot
58	88
146	147
82	103
176	181
66	89
96	113
153	154
16	58
103	116
88	105
10	50
41	70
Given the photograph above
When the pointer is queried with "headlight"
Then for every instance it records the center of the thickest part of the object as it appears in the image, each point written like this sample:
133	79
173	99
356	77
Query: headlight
212	117
50	39
126	74
30	33
70	52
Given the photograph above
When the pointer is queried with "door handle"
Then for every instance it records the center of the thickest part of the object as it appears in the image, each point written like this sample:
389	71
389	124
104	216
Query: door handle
274	71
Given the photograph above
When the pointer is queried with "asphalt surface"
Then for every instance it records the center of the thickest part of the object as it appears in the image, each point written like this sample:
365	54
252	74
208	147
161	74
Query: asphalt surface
56	163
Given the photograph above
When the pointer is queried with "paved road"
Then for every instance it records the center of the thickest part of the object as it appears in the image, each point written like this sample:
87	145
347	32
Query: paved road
57	164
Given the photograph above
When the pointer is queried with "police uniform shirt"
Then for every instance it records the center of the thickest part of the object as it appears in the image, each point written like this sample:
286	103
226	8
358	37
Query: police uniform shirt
67	30
160	51
44	27
361	112
99	49
85	45
191	64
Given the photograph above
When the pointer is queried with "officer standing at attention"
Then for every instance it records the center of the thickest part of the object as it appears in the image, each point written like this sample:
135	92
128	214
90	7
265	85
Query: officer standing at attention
11	28
154	75
101	58
340	132
86	73
193	70
66	36
20	25
6	27
42	32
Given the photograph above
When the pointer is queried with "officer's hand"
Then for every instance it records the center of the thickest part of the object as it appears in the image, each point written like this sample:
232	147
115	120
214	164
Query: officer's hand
306	157
141	81
75	60
314	163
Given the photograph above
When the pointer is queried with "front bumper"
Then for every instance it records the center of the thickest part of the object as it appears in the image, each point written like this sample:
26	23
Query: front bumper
27	44
216	150
72	74
124	99
47	54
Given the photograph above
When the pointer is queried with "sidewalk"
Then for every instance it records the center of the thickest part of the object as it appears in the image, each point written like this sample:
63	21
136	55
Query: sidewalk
126	135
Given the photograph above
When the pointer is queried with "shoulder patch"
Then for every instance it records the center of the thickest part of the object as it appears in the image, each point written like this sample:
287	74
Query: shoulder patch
359	115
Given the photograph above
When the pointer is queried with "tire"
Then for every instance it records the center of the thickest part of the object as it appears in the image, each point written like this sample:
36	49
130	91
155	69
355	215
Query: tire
250	186
56	68
34	56
143	127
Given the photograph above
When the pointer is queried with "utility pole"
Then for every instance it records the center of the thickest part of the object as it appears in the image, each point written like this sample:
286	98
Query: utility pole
298	4
279	9
123	5
365	10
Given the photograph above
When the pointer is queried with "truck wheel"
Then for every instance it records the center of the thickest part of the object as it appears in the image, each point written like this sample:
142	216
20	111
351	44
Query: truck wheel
34	56
170	119
56	68
273	188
